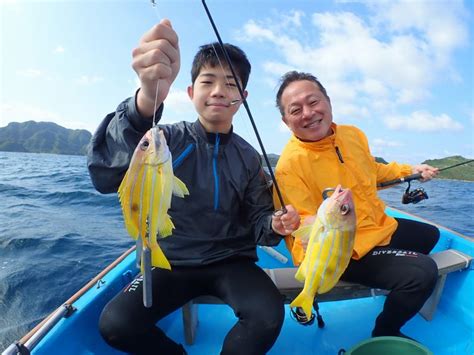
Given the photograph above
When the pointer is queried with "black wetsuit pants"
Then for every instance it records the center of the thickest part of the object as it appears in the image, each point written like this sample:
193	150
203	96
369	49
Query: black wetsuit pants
127	325
403	268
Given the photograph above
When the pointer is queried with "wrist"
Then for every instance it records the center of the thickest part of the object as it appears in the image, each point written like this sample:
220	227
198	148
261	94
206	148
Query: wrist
145	105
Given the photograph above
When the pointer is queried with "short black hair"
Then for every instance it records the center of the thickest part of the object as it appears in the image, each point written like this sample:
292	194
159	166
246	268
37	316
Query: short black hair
212	55
292	76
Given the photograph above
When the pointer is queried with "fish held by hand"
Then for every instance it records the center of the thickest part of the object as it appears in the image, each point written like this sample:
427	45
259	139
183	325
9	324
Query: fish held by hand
329	250
145	194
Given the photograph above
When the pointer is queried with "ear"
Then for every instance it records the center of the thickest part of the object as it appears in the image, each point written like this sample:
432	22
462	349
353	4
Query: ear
284	120
190	91
246	94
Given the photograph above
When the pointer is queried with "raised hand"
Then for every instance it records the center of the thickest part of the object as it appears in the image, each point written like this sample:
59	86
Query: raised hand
156	61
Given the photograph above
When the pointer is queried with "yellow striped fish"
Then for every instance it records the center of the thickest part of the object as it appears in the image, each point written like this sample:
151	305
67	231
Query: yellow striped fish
145	195
329	249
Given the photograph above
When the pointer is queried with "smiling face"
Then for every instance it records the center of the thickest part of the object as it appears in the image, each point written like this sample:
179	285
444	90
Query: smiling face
307	111
213	93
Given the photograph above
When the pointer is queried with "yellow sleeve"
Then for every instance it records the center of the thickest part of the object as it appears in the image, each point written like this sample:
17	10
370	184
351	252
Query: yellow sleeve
385	172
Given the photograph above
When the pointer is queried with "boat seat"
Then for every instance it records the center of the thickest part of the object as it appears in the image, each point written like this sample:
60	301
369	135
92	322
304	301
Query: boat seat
284	278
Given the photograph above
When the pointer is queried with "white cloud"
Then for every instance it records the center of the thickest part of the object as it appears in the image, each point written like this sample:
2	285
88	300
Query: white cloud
179	103
59	49
89	80
441	24
407	96
390	58
30	73
380	142
423	121
282	127
22	112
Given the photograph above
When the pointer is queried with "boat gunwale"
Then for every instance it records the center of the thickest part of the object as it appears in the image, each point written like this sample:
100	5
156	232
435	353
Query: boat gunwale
77	295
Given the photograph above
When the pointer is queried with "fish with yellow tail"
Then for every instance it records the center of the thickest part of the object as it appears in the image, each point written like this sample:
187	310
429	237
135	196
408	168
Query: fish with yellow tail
330	242
145	196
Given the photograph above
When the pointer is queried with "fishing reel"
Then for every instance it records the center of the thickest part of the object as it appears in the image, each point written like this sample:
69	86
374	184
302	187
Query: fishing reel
414	196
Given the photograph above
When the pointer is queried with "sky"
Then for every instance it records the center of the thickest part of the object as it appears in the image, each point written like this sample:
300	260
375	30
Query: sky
402	71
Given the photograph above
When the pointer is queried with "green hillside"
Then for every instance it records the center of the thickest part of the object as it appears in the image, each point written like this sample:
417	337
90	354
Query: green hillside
463	172
43	137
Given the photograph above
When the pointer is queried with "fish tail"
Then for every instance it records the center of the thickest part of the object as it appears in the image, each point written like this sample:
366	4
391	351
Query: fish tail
305	302
158	259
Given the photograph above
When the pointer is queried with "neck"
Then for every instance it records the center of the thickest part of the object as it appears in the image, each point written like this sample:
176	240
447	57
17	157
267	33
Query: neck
216	127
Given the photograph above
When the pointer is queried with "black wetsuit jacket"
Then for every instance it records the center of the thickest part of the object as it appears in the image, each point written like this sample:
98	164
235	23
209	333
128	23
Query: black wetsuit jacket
228	210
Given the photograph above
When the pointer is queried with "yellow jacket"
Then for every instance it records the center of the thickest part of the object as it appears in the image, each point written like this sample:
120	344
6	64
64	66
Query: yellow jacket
305	169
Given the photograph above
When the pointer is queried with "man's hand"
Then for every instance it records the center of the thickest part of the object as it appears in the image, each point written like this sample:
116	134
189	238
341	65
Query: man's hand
285	223
156	61
427	172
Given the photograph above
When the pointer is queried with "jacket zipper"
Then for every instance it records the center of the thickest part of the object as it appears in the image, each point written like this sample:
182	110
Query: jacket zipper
339	155
216	176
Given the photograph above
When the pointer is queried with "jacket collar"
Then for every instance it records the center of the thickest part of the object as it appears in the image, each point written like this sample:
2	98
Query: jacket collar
212	137
325	143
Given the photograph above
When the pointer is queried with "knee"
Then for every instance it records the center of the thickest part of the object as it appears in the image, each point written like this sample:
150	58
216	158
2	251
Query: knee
425	275
270	316
432	233
113	327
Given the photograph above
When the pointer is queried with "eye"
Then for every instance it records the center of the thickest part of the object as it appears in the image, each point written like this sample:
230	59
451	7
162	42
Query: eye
144	145
233	85
314	103
345	209
295	112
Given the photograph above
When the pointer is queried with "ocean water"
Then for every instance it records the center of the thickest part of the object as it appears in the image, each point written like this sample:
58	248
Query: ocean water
57	232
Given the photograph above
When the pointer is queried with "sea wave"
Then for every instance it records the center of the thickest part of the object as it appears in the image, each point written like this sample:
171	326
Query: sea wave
57	232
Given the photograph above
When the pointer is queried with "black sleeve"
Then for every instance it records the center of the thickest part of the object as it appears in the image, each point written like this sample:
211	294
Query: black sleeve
259	206
112	145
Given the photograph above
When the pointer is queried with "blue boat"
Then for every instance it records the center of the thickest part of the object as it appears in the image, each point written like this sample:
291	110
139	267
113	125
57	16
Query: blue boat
445	325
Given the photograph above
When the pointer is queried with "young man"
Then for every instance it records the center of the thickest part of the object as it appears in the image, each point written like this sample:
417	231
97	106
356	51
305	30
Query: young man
389	253
228	212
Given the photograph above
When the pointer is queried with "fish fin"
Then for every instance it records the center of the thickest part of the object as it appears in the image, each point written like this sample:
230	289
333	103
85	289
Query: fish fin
179	187
305	302
158	258
166	228
303	232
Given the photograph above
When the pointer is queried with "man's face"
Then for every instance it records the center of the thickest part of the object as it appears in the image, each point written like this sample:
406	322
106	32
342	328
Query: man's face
212	94
307	112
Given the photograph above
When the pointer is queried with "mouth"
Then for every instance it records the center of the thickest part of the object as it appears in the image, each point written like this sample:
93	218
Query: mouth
314	123
217	104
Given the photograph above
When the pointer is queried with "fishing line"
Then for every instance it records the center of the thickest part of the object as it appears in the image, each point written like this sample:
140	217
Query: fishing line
155	8
244	101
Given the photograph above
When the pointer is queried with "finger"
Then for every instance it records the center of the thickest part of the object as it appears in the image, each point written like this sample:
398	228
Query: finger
155	52
155	73
163	30
163	45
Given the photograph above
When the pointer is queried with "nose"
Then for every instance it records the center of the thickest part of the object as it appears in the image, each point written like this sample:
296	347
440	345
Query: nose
307	112
218	90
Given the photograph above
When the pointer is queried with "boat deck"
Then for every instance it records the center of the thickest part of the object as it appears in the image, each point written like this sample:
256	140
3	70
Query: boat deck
347	322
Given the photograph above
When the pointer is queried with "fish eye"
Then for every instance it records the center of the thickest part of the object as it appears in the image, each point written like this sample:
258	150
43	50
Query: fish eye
345	209
144	145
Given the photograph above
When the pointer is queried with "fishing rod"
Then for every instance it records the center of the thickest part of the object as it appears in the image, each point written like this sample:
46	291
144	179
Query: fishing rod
419	194
417	176
244	102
